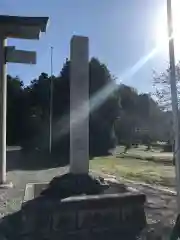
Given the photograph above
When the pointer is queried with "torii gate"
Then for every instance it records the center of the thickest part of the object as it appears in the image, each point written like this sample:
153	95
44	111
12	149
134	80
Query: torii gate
14	27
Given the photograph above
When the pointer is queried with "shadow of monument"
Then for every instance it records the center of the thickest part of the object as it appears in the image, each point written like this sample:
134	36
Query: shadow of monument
10	226
19	159
34	160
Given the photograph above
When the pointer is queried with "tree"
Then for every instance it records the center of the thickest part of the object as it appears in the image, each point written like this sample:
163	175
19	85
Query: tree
141	118
113	109
61	112
104	105
161	83
162	95
103	111
104	108
126	125
15	110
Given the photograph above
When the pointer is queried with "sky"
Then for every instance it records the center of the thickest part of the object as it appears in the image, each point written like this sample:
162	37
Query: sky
122	33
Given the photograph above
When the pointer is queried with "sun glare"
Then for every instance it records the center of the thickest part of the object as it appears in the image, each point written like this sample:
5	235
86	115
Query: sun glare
162	36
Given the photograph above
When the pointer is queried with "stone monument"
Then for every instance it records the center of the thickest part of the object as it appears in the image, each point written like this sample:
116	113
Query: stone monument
79	105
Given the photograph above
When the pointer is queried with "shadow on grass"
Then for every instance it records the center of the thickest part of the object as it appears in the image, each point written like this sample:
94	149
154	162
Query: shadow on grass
151	178
19	159
160	160
33	160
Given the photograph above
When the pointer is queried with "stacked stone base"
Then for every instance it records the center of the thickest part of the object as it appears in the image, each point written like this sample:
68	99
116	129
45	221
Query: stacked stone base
103	216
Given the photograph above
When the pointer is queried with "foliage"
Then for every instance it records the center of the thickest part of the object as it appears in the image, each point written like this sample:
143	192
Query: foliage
104	110
168	147
117	112
15	107
135	116
161	83
28	110
162	95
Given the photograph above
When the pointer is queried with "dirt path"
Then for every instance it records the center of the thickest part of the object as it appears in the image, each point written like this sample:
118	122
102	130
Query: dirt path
160	208
160	211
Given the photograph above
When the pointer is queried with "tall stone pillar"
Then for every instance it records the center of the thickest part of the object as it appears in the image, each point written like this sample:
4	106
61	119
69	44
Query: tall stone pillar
79	105
3	103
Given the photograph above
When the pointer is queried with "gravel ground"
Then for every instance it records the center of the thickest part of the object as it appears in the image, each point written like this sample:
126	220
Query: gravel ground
11	199
160	208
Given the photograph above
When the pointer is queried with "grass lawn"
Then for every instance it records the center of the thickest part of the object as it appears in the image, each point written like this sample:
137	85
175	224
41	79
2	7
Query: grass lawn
135	169
140	153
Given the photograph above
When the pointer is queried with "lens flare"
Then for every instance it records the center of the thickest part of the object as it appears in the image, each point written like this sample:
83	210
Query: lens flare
161	27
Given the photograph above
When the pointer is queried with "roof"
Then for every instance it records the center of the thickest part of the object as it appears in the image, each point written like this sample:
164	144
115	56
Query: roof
23	27
40	22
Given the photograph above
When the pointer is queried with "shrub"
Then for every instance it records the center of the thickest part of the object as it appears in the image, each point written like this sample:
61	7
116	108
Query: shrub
168	148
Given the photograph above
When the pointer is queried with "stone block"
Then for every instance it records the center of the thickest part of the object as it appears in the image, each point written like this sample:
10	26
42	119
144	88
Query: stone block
111	234
64	221
93	217
74	235
98	218
37	221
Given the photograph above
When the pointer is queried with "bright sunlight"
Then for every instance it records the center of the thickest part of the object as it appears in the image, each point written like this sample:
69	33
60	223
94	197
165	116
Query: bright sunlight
161	35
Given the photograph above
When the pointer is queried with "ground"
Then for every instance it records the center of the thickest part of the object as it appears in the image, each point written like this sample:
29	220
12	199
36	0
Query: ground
138	170
161	202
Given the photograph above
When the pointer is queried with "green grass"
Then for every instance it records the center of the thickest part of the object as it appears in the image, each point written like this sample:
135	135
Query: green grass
135	169
155	155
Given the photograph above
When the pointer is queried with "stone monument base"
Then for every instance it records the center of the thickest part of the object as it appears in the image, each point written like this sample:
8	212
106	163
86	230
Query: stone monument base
115	213
6	185
74	184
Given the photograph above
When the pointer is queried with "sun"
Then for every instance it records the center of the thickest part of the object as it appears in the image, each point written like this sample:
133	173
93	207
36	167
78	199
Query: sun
161	27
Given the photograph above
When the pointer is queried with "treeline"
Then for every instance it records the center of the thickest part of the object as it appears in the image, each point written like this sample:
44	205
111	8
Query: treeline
118	114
